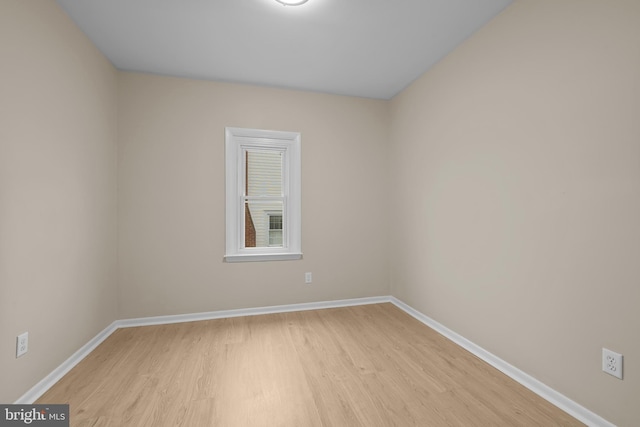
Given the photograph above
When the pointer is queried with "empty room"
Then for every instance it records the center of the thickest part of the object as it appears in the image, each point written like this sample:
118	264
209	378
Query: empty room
320	212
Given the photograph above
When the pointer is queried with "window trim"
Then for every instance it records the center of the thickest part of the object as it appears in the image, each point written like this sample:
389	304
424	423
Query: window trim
236	141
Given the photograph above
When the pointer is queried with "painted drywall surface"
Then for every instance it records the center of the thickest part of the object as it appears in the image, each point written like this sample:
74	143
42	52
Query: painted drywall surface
516	183
171	196
57	191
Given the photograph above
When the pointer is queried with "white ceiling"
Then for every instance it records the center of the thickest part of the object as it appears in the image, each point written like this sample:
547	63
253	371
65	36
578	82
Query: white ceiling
368	48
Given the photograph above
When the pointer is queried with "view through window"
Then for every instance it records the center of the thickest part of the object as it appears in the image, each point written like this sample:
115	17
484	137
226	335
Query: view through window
264	198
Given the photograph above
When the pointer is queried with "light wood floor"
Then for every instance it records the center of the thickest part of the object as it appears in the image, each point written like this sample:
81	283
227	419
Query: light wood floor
368	365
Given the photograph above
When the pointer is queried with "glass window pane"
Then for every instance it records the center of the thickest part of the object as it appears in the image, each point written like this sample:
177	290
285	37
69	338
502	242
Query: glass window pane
275	230
275	238
275	222
263	172
263	224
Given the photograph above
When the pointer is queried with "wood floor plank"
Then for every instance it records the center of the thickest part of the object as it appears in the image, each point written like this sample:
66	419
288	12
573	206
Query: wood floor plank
370	365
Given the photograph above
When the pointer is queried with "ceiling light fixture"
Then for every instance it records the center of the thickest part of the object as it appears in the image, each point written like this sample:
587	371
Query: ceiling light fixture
292	2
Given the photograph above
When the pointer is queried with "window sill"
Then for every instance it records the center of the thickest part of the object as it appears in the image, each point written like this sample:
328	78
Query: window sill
262	257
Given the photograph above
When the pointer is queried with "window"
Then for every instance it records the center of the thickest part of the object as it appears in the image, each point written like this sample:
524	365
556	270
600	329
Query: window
275	229
262	195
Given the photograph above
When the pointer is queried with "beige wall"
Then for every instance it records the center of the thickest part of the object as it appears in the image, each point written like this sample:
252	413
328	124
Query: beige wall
57	191
516	170
171	196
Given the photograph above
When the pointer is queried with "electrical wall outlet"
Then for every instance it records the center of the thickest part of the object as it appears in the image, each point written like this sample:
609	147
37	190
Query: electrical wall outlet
612	363
22	344
308	278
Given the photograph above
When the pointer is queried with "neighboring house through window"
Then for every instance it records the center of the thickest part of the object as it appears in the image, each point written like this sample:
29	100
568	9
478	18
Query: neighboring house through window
275	228
263	195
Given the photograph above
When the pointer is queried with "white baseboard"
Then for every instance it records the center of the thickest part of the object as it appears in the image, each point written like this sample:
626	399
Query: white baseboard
47	382
544	391
179	318
569	406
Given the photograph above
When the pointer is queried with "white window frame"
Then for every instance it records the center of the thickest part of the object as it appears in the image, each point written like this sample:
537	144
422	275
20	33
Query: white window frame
237	140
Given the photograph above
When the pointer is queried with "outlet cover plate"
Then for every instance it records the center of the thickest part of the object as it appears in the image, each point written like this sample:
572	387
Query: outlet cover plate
612	363
22	344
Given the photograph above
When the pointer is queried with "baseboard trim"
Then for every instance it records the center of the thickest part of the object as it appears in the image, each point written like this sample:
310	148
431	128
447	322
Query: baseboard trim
47	382
194	317
569	406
